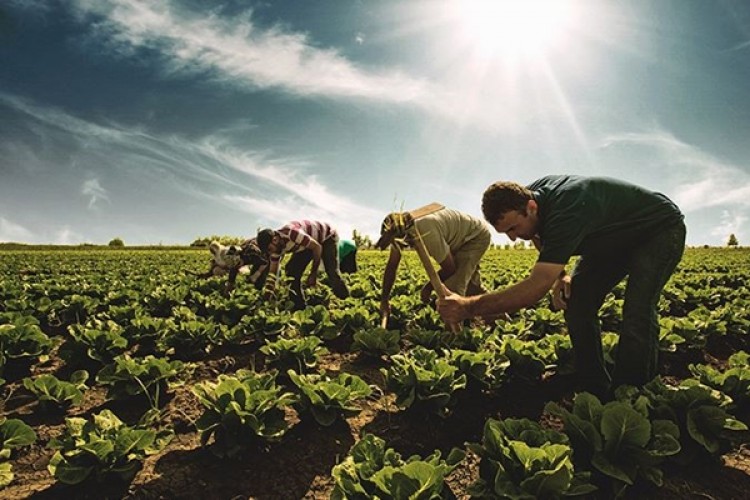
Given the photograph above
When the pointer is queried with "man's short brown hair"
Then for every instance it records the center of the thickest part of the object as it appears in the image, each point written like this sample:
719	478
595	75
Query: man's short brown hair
502	197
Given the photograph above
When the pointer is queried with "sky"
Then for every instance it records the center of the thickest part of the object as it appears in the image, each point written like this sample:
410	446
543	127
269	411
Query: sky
161	121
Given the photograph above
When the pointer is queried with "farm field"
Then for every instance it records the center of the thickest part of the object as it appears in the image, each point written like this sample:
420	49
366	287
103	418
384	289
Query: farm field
125	377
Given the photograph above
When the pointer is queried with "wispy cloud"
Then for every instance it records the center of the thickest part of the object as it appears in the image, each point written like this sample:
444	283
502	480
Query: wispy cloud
13	232
94	191
703	180
67	236
249	180
731	222
239	52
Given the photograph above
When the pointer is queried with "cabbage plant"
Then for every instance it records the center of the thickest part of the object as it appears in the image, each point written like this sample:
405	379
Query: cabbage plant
328	399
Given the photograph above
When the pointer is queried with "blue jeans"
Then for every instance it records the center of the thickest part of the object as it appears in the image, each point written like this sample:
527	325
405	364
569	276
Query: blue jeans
648	266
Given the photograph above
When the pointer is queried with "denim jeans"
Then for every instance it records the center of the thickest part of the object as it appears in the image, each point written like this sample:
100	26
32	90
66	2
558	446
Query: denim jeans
648	266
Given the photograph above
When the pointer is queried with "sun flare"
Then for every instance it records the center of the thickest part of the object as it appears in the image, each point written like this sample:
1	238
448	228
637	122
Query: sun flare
514	27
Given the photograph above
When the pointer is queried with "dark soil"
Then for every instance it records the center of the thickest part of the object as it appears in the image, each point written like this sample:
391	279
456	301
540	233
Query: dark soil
299	466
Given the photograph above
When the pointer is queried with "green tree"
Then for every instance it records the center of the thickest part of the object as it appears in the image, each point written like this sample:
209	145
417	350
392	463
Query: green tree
362	241
117	242
733	241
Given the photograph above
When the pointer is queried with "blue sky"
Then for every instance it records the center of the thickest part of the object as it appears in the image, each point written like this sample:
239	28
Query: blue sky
161	121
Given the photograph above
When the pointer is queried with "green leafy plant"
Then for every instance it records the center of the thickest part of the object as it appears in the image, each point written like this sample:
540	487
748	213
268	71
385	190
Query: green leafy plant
14	433
420	378
102	448
618	440
53	393
706	427
240	410
300	353
315	320
376	342
126	377
373	471
487	367
326	398
22	338
734	381
98	341
520	459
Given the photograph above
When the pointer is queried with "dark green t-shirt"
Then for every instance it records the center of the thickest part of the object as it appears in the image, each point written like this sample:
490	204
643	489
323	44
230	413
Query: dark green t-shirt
346	247
592	215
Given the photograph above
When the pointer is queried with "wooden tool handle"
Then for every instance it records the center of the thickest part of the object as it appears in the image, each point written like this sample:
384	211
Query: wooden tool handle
437	285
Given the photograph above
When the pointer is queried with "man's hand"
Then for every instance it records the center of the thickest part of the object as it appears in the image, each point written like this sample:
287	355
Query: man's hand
312	280
228	288
453	308
561	293
425	293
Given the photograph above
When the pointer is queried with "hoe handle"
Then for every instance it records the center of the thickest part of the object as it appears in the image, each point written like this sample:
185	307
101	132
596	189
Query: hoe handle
437	285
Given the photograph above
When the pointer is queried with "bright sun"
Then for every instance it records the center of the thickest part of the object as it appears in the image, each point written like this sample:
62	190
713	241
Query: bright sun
513	28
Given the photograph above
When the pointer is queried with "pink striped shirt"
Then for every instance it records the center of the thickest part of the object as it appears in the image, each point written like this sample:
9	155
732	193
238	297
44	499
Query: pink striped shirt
296	236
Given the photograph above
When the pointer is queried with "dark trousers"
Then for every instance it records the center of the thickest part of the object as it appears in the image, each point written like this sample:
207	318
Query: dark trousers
349	263
648	267
298	263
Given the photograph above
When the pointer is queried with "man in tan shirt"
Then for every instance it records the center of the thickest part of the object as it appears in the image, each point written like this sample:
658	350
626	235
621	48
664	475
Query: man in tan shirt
455	240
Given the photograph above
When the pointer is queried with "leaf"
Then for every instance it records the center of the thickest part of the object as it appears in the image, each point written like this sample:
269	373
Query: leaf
623	426
66	472
6	474
14	433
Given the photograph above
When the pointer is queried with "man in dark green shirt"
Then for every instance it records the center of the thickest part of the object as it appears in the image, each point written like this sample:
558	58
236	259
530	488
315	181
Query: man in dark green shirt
619	230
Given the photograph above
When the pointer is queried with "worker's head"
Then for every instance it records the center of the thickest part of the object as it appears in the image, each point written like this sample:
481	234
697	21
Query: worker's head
269	241
394	229
511	209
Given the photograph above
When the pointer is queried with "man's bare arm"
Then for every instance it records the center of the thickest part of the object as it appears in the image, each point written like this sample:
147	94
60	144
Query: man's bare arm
528	292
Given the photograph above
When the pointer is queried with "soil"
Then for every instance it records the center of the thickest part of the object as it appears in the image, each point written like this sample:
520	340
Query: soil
299	466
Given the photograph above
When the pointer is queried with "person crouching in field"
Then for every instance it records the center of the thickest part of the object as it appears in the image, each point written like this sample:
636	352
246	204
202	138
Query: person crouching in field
457	241
619	230
307	241
232	260
347	256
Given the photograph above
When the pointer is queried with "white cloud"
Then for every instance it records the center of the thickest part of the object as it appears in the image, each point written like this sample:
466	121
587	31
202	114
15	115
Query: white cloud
238	51
66	236
702	179
208	168
731	222
94	191
13	232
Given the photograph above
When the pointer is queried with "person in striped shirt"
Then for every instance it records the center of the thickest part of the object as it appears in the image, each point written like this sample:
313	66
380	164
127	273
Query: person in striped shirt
307	241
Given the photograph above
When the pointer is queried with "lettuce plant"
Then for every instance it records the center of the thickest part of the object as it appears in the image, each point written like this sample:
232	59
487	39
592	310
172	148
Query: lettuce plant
299	353
487	367
520	459
54	393
100	341
21	337
420	378
14	433
326	398
190	337
315	320
102	448
618	440
354	318
734	381
240	410
373	471
431	339
698	411
376	342
126	376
